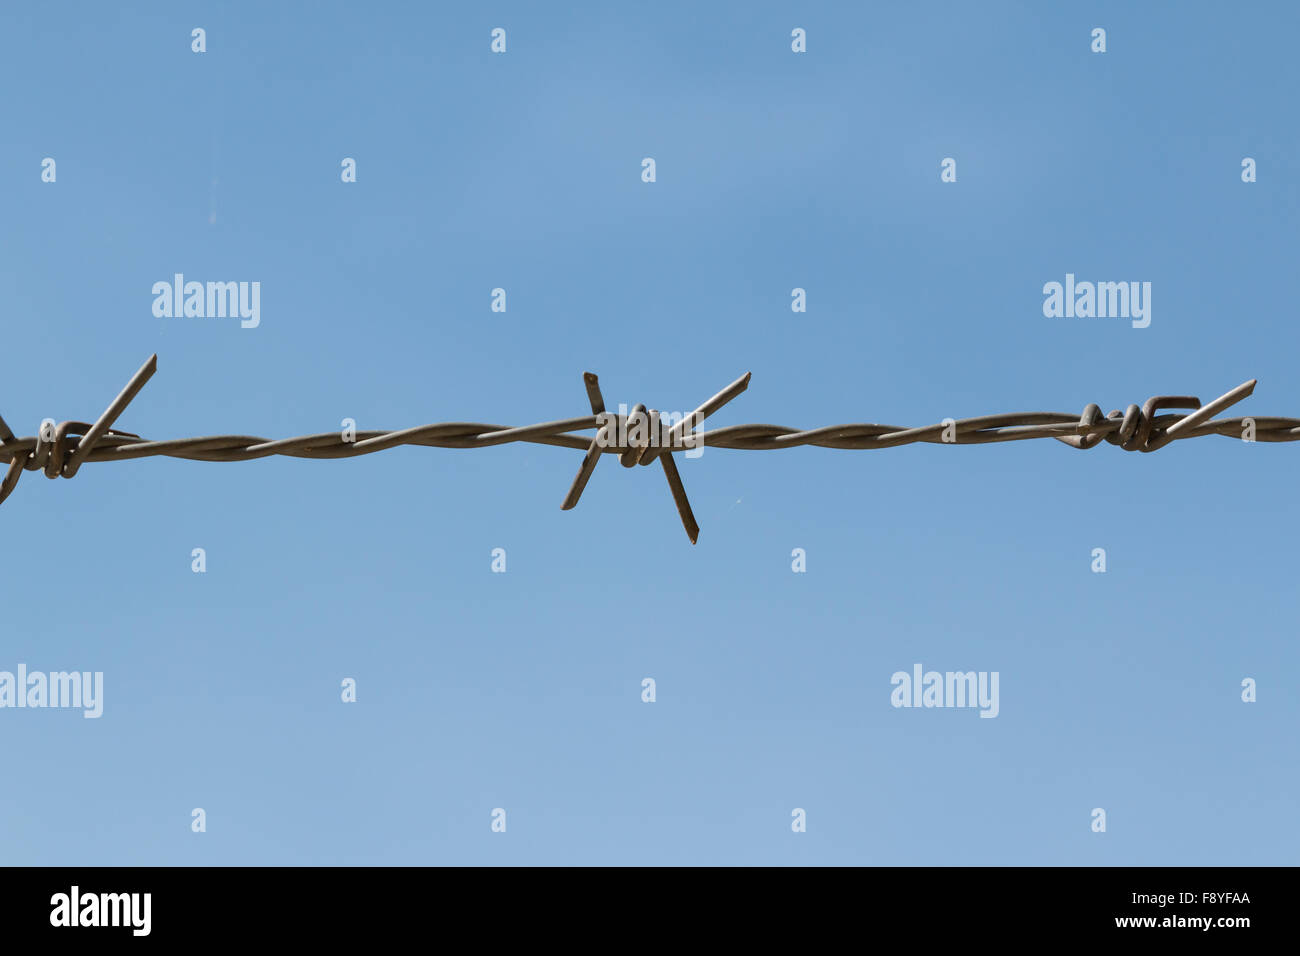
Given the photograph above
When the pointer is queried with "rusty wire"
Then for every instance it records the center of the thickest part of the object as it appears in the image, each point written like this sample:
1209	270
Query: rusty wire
638	437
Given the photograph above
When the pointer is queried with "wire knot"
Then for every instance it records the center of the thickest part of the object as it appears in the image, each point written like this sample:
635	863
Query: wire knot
1139	429
57	445
641	437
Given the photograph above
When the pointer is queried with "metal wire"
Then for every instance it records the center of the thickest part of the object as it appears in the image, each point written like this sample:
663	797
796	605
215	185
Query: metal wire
638	437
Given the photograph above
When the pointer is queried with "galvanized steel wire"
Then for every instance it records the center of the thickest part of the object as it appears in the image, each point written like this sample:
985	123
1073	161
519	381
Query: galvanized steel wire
60	451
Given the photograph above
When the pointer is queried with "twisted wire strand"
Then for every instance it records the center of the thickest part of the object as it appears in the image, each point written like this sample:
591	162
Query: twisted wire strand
62	450
861	436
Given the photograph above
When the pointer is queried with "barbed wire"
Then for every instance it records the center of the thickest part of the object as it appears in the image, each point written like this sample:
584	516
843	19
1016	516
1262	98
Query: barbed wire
640	436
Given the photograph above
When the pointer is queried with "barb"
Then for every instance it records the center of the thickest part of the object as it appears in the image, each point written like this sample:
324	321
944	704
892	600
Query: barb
641	436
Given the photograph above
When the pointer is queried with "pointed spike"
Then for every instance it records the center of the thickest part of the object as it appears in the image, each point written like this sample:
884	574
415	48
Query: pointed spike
11	476
105	422
589	462
679	496
593	392
709	406
1206	412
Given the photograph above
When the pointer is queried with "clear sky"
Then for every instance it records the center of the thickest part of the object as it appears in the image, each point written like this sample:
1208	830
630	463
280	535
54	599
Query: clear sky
523	690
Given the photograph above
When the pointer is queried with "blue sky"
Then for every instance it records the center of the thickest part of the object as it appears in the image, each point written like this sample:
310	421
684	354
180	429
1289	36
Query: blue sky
522	690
